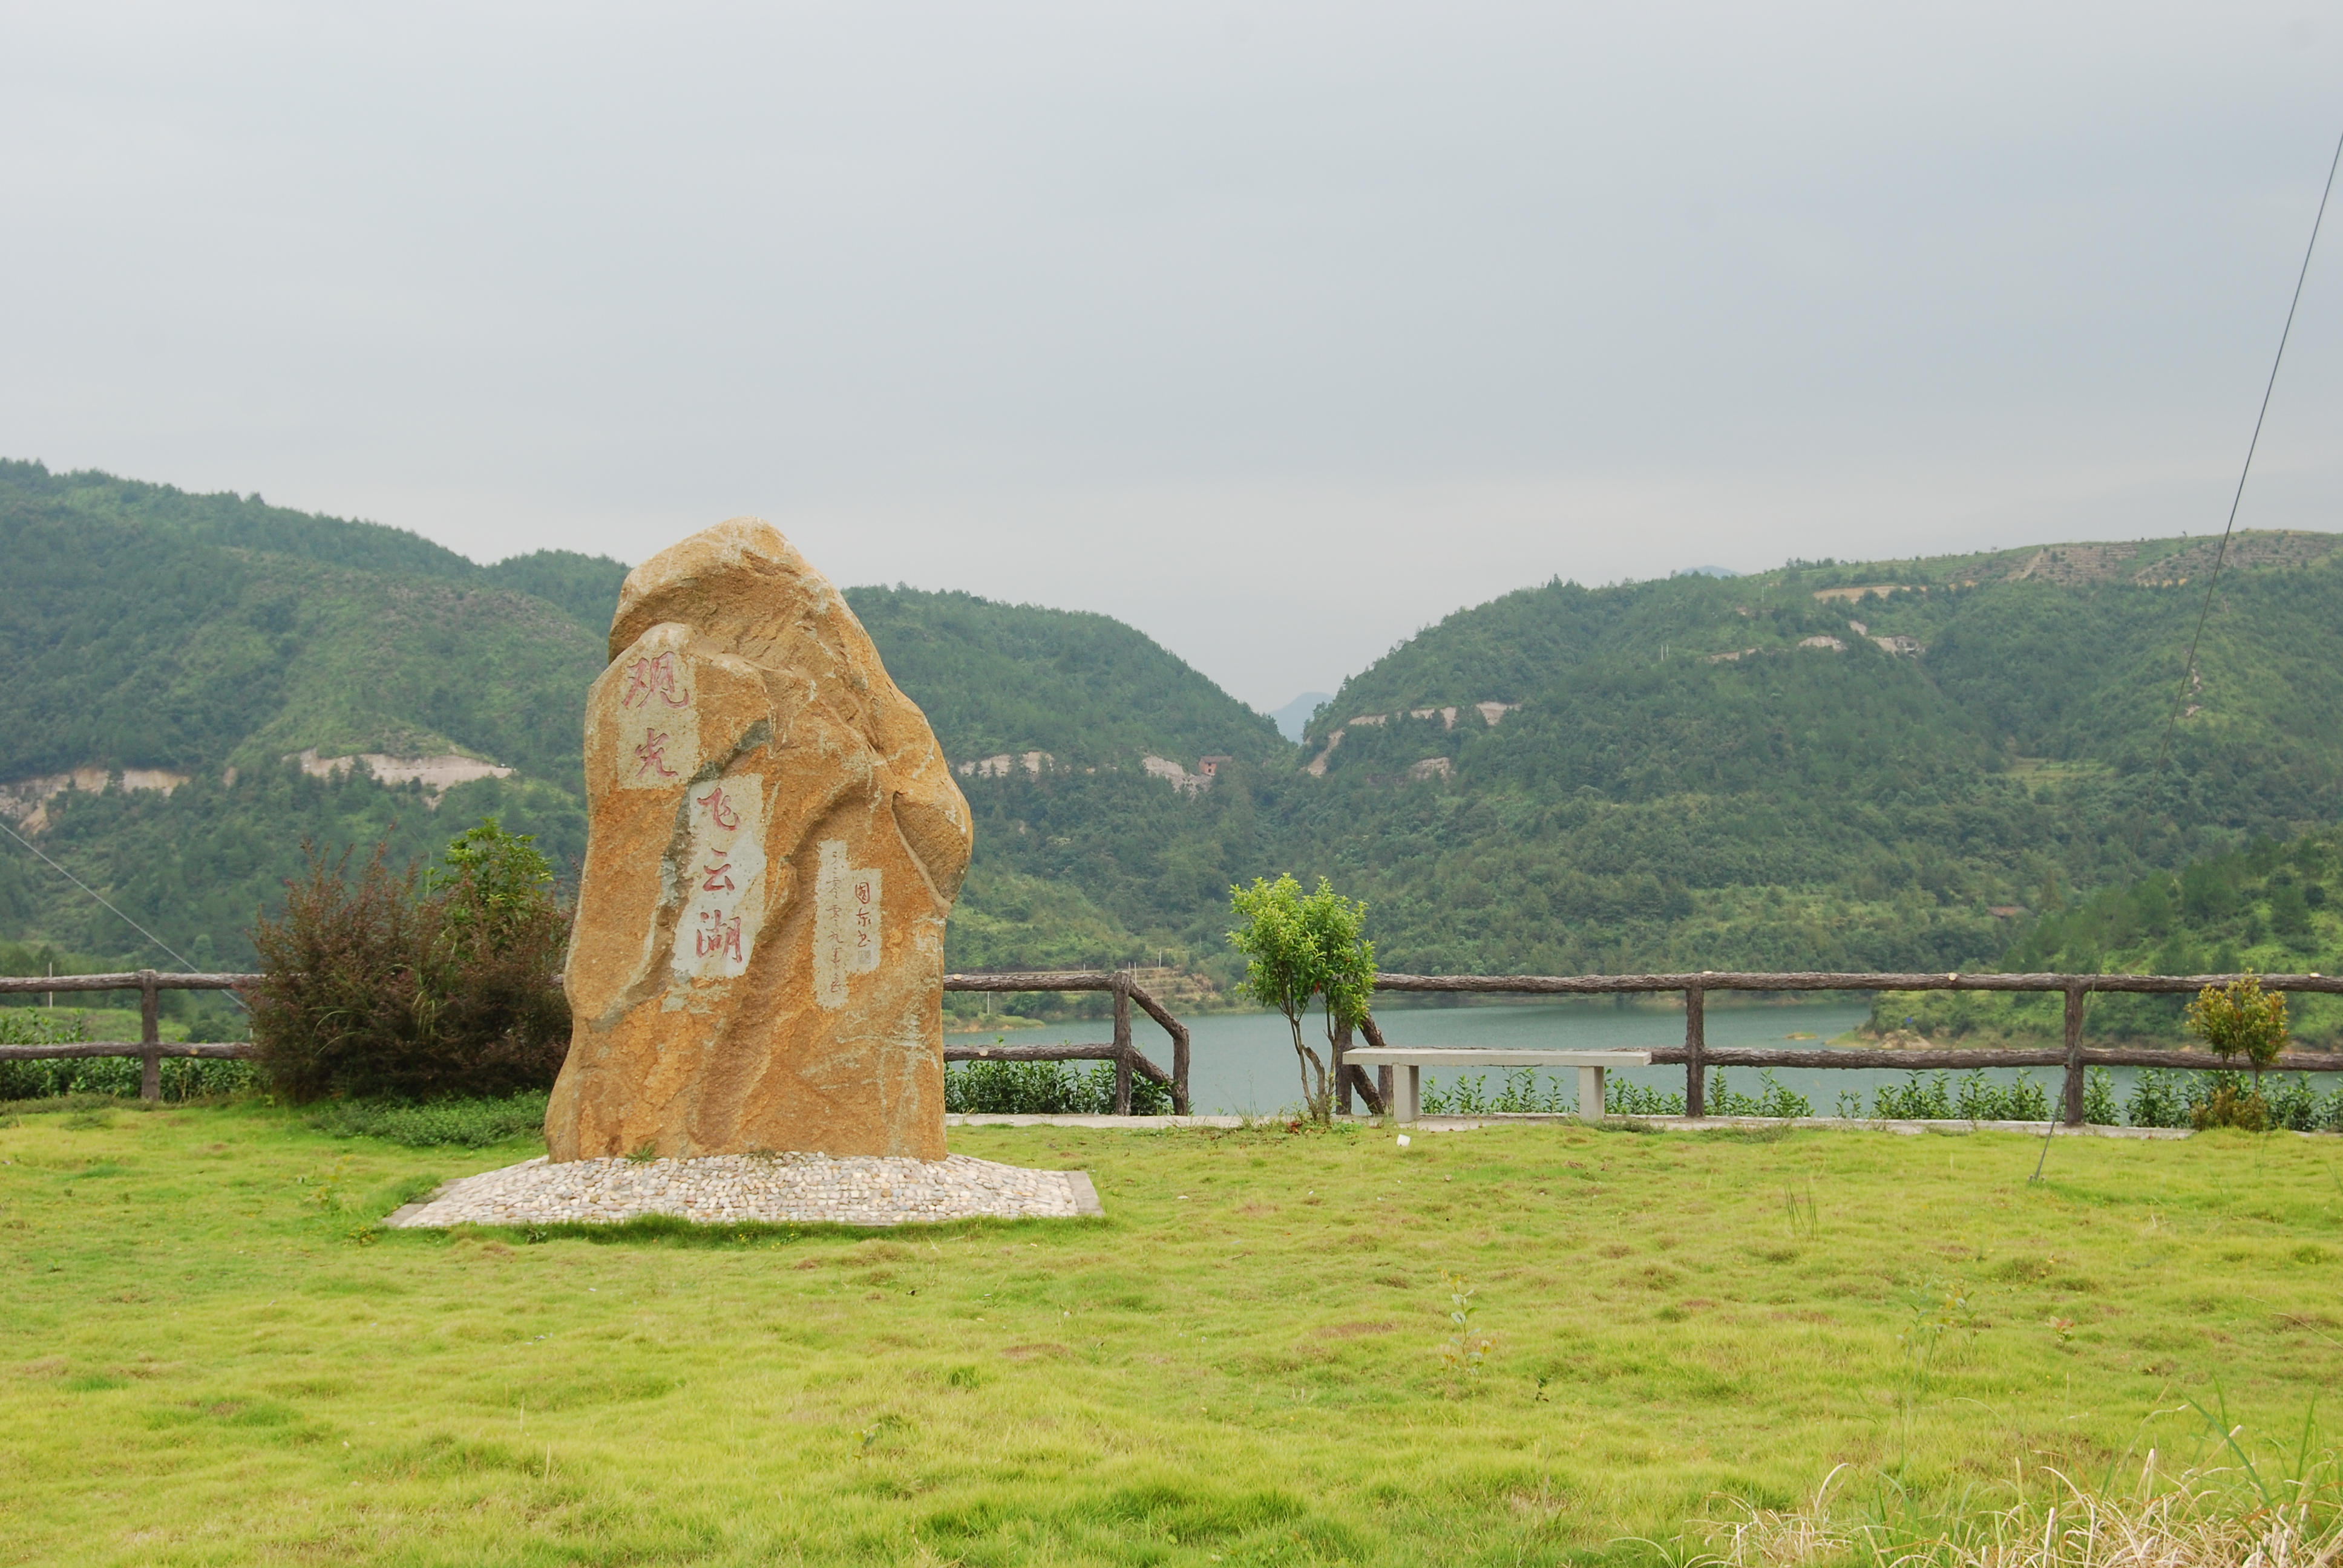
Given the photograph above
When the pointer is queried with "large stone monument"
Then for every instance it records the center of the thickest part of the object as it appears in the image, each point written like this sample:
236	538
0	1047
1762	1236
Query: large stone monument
774	842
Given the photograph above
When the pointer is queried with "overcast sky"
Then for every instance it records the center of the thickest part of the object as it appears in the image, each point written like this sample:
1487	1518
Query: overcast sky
1278	331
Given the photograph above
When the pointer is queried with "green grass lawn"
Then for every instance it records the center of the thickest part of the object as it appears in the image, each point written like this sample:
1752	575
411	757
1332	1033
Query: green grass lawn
207	1356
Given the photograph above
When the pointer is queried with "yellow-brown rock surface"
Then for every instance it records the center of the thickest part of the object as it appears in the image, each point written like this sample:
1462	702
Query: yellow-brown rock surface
774	842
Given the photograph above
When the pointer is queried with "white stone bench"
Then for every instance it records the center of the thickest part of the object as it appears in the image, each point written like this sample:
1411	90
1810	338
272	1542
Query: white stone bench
1412	1060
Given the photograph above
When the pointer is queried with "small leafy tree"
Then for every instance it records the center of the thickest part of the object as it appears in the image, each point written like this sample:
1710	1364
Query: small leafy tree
495	889
1298	946
2238	1017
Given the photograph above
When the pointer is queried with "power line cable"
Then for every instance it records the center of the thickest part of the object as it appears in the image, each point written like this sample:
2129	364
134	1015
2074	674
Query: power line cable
2220	555
101	897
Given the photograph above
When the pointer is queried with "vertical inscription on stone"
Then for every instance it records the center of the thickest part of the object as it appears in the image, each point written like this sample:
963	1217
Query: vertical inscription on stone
659	728
725	902
846	923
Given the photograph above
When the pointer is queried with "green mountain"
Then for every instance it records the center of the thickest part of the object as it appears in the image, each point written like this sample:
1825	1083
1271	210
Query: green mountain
153	629
192	648
1826	764
1886	763
189	648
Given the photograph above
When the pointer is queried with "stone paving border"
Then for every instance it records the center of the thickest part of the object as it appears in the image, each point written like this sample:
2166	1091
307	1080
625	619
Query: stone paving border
754	1189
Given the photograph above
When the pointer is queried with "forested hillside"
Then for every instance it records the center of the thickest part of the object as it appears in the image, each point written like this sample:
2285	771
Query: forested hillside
2271	907
190	645
179	652
1848	766
1869	764
149	629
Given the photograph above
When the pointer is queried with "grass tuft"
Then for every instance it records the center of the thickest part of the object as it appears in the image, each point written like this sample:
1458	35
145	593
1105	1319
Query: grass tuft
2208	1517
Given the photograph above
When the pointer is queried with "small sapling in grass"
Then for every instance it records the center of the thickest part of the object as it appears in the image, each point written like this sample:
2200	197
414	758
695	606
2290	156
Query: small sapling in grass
879	1431
2240	1018
1466	1348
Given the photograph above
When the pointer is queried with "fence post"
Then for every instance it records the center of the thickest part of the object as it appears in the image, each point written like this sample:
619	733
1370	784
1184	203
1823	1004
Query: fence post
1695	1050
2074	1054
1122	1043
150	1032
1341	1069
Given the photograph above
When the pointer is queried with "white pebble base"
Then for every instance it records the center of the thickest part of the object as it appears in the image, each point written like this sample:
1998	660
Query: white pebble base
735	1189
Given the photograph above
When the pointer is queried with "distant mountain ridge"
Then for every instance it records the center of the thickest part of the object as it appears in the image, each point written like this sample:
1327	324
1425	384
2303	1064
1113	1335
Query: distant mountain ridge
1085	689
1293	719
1888	764
585	586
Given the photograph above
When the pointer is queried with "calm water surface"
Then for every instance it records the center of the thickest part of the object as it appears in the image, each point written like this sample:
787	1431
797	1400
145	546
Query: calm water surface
1242	1064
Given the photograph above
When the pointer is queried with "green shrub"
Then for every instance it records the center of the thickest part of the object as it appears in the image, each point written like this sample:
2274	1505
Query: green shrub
1772	1100
2156	1099
1465	1097
1621	1098
40	1079
444	1123
2171	1097
1981	1101
1526	1090
2230	1106
2099	1108
1975	1100
2296	1104
1045	1088
1915	1100
402	988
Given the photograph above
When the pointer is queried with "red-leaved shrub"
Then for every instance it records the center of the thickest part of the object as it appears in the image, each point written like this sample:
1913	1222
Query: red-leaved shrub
415	987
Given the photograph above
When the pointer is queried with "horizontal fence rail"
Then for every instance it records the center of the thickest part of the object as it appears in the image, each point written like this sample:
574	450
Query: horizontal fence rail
1127	1058
151	1047
1800	979
1696	1055
128	979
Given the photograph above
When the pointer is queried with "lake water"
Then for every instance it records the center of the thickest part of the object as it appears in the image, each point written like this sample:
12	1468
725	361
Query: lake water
1243	1064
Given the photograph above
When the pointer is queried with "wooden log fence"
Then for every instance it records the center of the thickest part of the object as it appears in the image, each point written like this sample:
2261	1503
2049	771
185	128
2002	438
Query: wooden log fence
1695	1055
150	1045
152	1048
1127	1058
